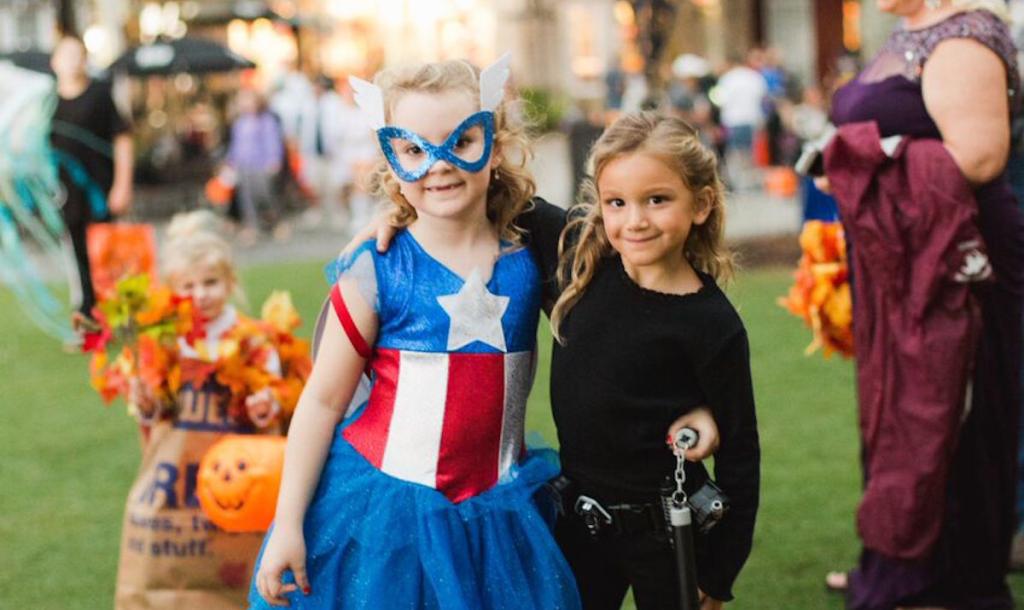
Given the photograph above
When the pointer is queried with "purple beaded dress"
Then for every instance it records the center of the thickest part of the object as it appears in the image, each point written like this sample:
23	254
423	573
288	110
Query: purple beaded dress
968	566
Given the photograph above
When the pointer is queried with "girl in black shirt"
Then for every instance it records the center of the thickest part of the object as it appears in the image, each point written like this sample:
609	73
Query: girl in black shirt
644	336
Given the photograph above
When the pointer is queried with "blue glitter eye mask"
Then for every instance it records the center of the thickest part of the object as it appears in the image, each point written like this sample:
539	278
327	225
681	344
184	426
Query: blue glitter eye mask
468	147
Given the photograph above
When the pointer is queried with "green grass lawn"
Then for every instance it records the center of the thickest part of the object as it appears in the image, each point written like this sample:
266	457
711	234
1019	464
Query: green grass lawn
66	462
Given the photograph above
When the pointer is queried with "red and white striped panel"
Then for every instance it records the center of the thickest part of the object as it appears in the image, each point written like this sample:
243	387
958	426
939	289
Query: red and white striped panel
451	421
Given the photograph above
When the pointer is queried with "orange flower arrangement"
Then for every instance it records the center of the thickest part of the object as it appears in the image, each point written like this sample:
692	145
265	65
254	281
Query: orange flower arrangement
281	318
137	339
821	291
136	336
240	364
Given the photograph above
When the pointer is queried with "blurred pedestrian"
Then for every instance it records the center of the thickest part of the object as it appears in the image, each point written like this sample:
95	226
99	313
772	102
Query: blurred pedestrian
689	98
583	125
358	154
289	95
319	142
615	85
256	153
741	92
93	144
783	91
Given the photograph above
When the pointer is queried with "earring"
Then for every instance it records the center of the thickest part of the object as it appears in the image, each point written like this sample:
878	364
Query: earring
495	176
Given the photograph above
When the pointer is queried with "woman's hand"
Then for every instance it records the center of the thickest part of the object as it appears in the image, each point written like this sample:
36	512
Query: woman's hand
708	603
262	408
380	227
119	199
823	185
286	550
701	420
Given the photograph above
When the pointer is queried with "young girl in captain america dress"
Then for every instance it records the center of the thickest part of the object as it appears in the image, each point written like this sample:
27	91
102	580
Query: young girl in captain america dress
424	497
646	341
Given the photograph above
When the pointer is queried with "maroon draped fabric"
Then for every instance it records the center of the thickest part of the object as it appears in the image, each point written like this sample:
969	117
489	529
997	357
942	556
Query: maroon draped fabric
911	218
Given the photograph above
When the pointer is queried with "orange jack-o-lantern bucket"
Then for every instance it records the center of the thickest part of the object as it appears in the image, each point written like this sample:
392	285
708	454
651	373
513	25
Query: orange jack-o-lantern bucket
238	481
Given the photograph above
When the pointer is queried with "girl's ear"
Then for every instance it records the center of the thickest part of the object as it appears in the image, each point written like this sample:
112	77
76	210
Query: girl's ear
496	157
703	202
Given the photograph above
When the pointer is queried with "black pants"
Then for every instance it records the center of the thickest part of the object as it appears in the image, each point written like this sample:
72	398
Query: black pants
607	566
78	244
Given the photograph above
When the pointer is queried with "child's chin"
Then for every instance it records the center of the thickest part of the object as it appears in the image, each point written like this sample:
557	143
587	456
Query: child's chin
210	314
452	207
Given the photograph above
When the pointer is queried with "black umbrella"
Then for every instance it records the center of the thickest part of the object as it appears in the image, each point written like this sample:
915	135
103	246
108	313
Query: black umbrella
187	55
37	61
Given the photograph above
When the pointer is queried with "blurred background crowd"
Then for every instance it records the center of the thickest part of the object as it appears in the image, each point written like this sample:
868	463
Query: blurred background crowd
754	76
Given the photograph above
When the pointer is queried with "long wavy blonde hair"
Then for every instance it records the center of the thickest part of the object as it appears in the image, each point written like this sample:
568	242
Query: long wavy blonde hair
678	145
511	186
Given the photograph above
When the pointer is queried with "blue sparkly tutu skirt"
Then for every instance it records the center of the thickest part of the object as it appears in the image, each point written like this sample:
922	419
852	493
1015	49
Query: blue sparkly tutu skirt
375	541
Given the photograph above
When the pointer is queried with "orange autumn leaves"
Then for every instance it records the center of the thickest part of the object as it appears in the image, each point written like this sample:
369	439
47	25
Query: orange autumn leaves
280	315
243	356
138	332
136	336
820	294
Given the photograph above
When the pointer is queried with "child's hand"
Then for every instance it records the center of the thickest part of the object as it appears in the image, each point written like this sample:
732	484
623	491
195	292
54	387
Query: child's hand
701	420
707	603
380	227
141	396
286	550
262	408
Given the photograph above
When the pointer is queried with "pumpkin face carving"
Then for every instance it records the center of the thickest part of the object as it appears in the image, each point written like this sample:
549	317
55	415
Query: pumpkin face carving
238	481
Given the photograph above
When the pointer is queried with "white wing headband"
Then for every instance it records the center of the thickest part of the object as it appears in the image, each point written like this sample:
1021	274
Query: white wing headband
370	99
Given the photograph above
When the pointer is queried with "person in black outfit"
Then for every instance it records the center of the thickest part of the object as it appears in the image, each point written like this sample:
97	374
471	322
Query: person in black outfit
94	149
644	336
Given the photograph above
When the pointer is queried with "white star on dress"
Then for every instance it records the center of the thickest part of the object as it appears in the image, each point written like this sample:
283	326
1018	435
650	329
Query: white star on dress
475	314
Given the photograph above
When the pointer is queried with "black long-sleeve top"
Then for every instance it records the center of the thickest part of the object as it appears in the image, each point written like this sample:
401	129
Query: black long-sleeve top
633	361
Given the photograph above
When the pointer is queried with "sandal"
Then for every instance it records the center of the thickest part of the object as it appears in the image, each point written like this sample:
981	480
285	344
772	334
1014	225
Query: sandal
837	582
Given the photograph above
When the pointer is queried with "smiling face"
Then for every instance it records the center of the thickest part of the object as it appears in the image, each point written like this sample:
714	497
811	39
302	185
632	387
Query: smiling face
648	210
238	481
445	191
208	286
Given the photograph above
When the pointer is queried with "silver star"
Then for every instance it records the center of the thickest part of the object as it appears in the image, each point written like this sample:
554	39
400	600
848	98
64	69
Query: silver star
475	314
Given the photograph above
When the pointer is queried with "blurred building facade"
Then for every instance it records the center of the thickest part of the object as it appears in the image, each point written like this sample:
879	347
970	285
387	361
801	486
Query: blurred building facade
565	46
26	25
811	35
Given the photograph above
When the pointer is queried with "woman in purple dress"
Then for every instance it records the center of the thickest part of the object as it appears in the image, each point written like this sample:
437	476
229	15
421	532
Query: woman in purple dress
950	72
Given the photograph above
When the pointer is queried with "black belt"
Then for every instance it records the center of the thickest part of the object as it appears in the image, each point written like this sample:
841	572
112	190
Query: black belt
618	518
636	518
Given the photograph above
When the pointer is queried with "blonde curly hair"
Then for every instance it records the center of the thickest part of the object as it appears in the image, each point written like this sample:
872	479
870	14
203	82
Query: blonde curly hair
678	145
194	240
511	186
